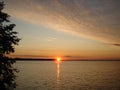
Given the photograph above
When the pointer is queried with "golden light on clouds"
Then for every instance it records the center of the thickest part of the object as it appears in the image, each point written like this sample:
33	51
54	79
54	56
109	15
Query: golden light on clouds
97	20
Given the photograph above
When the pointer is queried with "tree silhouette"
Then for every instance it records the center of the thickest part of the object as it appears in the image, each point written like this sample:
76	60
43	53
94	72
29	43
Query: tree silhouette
8	39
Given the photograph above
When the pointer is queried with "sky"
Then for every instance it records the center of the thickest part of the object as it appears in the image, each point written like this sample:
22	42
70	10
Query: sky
70	29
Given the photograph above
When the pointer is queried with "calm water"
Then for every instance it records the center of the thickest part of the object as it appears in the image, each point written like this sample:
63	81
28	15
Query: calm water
68	75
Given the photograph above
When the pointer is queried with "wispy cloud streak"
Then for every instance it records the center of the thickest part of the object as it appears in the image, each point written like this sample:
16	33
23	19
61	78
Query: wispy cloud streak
94	19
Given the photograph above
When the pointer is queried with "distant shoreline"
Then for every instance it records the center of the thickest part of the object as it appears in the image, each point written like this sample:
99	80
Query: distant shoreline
34	59
31	59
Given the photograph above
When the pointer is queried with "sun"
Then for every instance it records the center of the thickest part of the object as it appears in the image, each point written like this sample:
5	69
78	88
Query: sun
58	59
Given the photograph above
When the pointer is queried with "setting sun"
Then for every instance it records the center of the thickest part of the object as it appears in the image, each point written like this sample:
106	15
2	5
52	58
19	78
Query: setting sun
58	59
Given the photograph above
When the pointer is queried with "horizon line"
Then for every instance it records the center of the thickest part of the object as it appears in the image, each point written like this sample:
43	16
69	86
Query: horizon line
51	59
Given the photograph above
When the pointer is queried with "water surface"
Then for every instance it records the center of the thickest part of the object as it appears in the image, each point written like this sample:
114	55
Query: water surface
68	75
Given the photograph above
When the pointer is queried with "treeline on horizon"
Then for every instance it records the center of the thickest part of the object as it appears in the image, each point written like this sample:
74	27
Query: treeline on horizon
41	59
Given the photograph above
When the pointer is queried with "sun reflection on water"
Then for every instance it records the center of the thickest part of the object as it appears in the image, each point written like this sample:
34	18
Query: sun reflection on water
58	73
58	62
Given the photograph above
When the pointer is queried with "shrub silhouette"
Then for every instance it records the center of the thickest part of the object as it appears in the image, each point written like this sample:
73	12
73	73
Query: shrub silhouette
8	39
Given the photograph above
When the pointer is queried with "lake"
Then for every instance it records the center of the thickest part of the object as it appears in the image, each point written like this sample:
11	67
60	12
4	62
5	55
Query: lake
68	75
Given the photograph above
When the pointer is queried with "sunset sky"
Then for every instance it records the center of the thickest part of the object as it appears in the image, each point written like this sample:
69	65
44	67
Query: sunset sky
70	29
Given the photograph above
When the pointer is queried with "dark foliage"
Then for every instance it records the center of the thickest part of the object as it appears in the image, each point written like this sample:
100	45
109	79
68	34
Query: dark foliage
8	39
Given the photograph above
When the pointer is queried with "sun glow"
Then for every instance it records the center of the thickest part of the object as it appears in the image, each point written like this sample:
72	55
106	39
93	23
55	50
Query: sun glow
58	59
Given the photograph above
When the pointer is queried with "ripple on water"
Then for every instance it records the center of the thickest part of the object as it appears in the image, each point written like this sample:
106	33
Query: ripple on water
82	75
